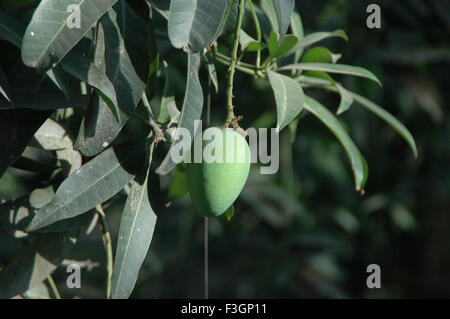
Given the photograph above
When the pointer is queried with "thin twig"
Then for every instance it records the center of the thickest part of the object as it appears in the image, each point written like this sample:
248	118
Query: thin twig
159	134
53	288
206	258
230	113
258	32
108	248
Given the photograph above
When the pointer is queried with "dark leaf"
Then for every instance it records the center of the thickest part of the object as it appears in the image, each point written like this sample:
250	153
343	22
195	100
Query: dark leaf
92	184
35	263
192	108
135	234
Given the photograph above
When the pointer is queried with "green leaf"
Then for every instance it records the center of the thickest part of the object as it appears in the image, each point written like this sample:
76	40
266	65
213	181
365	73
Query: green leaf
288	43
273	44
388	118
17	214
193	24
333	68
60	79
17	127
288	97
293	126
25	97
95	182
162	6
346	99
135	234
297	30
212	71
178	186
318	36
320	54
11	30
168	98
284	9
248	43
270	11
35	263
33	165
80	67
4	86
192	109
229	213
153	67
359	164
40	291
51	136
49	36
126	59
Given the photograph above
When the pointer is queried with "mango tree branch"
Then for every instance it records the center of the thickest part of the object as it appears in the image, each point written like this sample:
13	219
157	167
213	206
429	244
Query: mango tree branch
258	32
108	249
231	70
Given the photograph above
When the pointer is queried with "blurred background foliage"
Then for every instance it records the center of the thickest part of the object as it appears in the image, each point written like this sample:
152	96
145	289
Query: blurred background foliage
305	232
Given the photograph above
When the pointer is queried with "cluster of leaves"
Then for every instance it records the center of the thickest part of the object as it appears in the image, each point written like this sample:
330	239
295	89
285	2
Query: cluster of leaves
107	73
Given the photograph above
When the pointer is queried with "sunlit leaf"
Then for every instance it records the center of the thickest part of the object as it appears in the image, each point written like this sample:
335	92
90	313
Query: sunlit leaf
288	97
51	136
50	35
193	24
288	43
273	44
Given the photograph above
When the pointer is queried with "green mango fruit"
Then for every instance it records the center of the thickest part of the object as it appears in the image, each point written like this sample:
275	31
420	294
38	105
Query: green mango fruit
216	182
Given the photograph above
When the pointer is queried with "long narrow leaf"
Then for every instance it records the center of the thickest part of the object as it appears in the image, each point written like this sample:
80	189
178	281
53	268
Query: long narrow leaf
333	68
135	234
384	115
359	165
95	182
126	65
284	9
312	38
192	109
50	34
388	118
